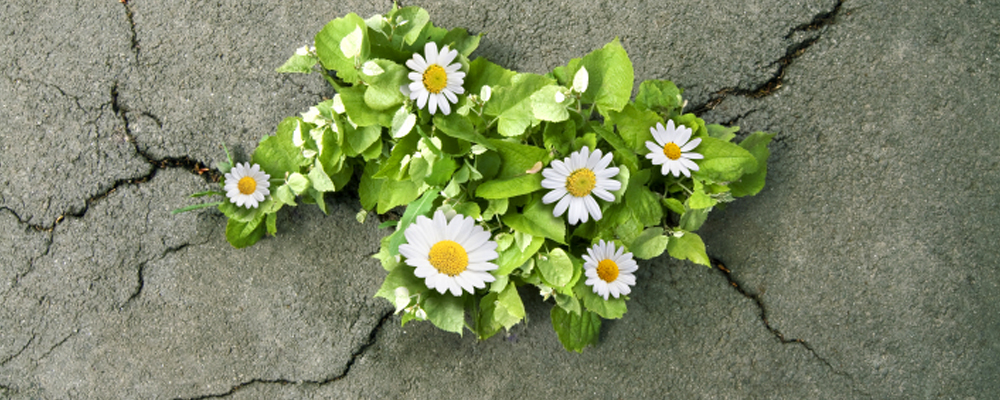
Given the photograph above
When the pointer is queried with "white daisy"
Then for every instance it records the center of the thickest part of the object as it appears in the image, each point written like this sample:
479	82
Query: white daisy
246	185
450	256
435	80
574	179
672	149
609	271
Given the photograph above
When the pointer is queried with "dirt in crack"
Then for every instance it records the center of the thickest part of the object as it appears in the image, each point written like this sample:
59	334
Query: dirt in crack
793	52
280	381
718	265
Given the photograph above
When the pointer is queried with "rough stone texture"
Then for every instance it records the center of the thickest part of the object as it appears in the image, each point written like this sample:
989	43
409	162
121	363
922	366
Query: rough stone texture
875	241
62	142
866	269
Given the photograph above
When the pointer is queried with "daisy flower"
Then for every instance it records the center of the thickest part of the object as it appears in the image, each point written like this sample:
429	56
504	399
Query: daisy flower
435	81
609	271
247	185
574	179
450	256
672	149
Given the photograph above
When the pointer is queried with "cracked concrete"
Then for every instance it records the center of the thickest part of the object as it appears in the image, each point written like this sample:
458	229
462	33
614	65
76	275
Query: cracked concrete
865	269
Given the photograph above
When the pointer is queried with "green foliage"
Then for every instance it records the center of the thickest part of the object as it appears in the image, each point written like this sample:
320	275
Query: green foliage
486	159
576	331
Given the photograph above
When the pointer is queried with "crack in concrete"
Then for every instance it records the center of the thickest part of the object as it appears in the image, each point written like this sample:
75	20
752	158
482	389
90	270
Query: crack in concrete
18	353
59	343
283	382
792	52
762	313
140	272
131	26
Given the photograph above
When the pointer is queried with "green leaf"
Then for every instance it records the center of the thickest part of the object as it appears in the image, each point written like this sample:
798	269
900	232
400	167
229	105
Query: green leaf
195	207
611	308
284	194
568	302
489	321
514	257
397	278
633	125
699	199
752	183
674	205
272	223
482	72
320	180
298	183
393	166
468	209
576	331
724	161
370	188
441	171
460	127
691	220
446	312
511	105
241	234
537	220
688	247
276	154
662	97
415	19
396	193
298	64
509	301
383	89
556	268
643	203
544	105
358	109
517	158
330	45
611	77
496	207
507	188
318	199
417	208
623	153
649	244
458	39
722	133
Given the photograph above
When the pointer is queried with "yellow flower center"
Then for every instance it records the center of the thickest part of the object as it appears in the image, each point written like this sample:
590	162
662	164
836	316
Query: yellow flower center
247	185
581	182
607	270
672	151
448	257
435	78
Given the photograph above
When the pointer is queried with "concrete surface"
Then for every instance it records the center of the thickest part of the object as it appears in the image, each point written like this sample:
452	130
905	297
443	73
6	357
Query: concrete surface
868	268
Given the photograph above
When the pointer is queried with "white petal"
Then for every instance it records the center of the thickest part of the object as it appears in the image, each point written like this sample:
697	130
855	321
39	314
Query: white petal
562	205
691	145
554	183
443	103
603	194
464	283
692	156
431	52
554	195
688	164
451	96
447	56
592	207
561	168
422	96
432	104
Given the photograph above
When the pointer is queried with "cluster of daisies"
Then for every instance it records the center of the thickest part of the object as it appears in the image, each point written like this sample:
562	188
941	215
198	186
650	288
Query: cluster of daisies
454	254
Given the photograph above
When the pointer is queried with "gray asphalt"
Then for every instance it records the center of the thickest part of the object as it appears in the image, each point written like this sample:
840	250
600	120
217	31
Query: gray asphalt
867	268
